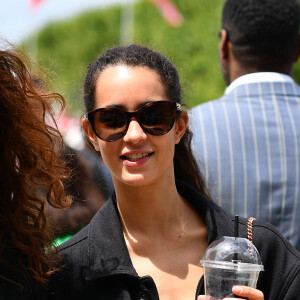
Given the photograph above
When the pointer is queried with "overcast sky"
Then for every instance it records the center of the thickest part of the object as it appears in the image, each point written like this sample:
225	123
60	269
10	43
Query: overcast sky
17	20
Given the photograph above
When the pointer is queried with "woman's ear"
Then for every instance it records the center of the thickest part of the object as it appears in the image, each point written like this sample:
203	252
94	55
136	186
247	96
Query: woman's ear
180	126
88	130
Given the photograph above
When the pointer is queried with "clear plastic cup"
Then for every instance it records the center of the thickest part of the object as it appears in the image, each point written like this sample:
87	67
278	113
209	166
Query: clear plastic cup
227	262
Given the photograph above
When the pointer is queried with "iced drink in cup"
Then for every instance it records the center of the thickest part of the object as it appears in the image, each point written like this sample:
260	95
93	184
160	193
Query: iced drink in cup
227	262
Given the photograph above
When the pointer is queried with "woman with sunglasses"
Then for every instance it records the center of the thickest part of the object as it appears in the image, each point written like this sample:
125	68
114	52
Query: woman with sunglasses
146	242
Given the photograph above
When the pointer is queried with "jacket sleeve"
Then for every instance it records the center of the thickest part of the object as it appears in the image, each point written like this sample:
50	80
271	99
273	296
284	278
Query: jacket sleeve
293	290
280	279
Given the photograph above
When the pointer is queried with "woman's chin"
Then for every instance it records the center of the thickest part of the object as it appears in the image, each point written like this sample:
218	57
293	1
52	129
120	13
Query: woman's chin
137	180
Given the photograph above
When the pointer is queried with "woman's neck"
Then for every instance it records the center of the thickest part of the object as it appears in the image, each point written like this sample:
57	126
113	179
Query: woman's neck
152	210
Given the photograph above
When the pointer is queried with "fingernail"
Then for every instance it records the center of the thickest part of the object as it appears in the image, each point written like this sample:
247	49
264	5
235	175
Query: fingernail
237	289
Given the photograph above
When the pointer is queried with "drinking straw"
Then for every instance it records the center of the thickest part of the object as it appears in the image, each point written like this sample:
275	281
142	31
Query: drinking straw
236	226
236	235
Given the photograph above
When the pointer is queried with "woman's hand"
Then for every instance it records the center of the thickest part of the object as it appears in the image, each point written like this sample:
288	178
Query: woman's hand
243	292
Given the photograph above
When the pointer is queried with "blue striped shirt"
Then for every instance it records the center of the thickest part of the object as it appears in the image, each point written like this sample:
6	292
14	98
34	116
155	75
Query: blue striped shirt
247	144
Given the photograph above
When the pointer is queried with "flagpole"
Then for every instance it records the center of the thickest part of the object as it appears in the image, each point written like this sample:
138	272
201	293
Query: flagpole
32	46
127	23
33	43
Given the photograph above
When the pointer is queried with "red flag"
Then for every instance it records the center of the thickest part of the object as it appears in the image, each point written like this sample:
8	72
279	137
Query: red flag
35	4
169	11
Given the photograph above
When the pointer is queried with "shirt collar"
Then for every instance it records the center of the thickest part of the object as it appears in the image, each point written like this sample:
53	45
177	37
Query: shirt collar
258	77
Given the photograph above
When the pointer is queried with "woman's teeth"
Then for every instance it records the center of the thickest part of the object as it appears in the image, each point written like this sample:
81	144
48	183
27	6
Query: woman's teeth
136	156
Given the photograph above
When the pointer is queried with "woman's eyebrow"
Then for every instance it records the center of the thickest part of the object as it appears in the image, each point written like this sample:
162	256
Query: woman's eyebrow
118	106
123	107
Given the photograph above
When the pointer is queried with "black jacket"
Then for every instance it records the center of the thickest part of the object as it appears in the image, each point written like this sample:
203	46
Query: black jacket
98	265
14	286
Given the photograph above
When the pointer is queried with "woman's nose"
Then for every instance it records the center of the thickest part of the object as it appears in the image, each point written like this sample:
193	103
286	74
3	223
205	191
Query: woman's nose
135	133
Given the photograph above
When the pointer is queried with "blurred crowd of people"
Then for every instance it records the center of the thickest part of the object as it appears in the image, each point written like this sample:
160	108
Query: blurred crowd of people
89	184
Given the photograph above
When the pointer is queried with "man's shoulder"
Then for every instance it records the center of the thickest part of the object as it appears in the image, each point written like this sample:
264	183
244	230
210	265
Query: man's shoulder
205	111
206	105
209	112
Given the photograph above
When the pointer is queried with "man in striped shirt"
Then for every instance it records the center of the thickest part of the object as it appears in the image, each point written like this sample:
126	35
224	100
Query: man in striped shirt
248	142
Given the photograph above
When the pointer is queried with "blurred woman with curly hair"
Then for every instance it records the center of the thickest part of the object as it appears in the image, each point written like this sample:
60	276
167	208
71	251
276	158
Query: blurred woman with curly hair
31	175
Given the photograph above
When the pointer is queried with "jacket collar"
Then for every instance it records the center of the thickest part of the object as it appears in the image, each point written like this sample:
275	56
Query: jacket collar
265	89
259	77
107	251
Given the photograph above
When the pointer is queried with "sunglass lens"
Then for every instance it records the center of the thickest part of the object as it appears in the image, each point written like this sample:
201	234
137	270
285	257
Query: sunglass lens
111	118
110	124
158	118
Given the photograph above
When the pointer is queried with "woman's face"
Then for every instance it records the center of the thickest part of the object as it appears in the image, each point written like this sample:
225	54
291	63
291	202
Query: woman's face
137	158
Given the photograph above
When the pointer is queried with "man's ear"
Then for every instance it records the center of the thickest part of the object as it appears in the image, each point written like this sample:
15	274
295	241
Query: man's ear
181	126
88	130
224	44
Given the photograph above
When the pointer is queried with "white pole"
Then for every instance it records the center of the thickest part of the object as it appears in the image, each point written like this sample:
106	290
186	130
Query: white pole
32	46
127	23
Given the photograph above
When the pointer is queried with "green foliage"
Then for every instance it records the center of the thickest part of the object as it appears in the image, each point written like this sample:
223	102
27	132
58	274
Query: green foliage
192	47
66	48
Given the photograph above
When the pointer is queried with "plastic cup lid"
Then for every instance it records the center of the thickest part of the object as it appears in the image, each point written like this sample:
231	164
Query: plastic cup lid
232	253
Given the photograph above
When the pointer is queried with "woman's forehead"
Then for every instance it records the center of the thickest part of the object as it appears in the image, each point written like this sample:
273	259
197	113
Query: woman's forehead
128	86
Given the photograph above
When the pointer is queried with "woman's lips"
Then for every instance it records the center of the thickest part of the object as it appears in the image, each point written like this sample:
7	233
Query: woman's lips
136	159
135	156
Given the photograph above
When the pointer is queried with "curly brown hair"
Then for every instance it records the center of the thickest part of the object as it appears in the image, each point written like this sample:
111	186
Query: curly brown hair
31	171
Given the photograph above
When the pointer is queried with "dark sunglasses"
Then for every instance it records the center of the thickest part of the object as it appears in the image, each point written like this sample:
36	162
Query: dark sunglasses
155	118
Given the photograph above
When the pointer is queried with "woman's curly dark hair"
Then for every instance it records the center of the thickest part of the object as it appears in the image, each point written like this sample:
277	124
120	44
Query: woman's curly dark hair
31	171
